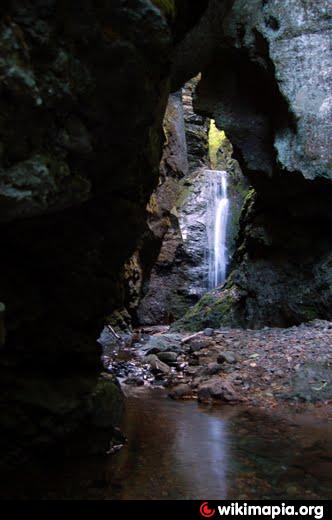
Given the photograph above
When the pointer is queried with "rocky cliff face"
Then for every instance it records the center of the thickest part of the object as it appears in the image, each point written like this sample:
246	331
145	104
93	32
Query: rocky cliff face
179	276
83	94
273	100
169	284
150	271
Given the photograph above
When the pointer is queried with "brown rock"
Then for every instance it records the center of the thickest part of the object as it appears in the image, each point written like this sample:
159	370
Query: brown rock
219	390
182	391
227	357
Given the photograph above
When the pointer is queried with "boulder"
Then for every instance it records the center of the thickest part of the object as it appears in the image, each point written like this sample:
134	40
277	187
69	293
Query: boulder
280	127
157	366
168	357
216	389
163	343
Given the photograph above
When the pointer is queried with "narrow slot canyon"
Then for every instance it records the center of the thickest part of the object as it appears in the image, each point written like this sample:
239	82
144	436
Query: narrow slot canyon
166	259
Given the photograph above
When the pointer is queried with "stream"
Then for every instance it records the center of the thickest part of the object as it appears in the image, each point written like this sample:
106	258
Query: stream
181	450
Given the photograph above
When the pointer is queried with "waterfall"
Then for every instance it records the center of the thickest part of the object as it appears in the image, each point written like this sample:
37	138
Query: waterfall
217	227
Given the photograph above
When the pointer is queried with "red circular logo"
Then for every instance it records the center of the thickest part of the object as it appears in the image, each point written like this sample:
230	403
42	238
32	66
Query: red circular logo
206	511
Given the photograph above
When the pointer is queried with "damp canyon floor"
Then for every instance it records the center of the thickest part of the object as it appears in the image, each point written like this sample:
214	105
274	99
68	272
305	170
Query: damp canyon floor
266	368
225	414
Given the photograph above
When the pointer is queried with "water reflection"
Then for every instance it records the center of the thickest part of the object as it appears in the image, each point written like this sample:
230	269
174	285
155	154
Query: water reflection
179	450
201	451
192	452
169	456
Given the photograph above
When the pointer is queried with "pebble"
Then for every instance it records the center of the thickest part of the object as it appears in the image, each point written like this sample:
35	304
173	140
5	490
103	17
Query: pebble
279	373
281	356
195	347
227	357
211	369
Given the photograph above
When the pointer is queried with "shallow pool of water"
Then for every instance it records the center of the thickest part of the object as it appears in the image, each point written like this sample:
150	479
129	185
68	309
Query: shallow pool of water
180	450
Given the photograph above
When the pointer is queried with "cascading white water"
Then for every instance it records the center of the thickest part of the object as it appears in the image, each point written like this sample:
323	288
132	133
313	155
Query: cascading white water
217	227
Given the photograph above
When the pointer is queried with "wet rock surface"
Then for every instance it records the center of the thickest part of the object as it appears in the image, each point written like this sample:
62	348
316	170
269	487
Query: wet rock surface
268	89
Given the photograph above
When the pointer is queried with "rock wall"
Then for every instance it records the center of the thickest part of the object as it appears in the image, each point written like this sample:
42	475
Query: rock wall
82	97
166	289
150	270
266	82
179	276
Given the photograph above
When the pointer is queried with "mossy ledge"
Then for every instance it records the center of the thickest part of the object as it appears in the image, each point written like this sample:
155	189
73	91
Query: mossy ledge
215	309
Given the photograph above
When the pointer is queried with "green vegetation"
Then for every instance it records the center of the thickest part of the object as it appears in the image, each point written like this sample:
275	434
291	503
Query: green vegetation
216	139
249	198
213	310
310	313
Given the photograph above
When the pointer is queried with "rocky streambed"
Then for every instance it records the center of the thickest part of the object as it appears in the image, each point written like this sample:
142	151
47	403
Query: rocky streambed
261	368
182	440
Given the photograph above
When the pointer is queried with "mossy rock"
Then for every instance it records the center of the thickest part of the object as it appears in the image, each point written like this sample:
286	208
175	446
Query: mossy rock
249	200
215	309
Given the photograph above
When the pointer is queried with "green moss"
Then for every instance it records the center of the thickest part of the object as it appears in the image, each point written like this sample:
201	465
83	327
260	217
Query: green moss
216	140
185	192
213	310
309	313
249	199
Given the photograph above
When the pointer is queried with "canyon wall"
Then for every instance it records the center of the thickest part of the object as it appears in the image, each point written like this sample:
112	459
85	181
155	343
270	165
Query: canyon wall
266	81
84	86
83	93
176	280
180	212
